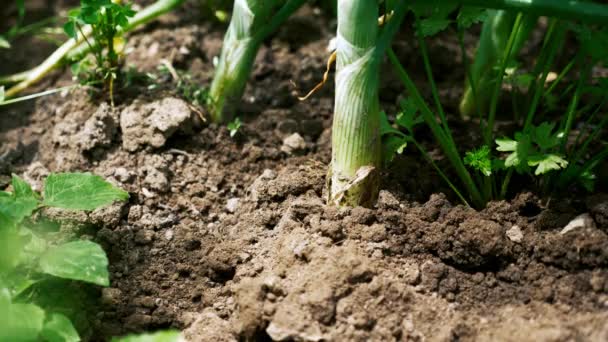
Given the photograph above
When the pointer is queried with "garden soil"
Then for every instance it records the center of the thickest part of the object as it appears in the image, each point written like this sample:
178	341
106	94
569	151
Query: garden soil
229	238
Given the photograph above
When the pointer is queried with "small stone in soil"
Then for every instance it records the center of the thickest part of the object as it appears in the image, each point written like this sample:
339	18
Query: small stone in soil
515	234
123	175
293	144
581	221
232	205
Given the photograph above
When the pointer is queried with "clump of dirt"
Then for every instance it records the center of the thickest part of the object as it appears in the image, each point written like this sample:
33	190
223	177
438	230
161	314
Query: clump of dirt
320	273
151	124
230	238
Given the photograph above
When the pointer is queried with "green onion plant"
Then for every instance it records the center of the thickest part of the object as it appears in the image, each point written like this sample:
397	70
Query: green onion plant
251	23
541	149
493	42
353	178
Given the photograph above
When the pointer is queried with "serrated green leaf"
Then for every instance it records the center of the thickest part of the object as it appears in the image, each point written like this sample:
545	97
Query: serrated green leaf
433	8
480	160
78	260
392	145
163	336
470	15
19	322
432	26
70	29
80	191
234	126
408	117
506	145
587	180
22	189
59	328
544	137
385	126
546	163
17	209
520	148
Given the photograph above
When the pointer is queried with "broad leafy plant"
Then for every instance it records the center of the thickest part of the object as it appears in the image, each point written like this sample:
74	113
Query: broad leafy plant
29	256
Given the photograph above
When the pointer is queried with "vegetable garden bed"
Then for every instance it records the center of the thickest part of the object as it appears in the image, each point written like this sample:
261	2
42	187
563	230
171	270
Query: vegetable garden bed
227	234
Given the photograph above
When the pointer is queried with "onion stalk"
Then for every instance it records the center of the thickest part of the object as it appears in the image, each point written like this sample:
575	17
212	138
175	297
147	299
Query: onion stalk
252	21
353	178
494	38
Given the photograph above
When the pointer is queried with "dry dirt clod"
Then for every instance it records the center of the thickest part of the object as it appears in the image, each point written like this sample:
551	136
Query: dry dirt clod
515	234
581	221
151	124
208	326
294	144
232	205
99	130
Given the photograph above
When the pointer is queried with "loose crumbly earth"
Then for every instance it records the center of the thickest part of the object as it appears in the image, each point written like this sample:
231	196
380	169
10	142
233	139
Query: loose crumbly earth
229	239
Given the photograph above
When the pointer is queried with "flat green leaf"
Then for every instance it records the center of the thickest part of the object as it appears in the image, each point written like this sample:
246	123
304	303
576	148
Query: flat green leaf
78	260
546	163
70	29
2	94
80	191
163	336
59	328
16	282
11	248
19	322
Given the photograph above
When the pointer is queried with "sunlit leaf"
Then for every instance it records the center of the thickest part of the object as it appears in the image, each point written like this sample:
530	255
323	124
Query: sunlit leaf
59	328
78	260
80	191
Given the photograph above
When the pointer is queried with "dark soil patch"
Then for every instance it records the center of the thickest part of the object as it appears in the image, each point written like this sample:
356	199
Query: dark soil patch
231	240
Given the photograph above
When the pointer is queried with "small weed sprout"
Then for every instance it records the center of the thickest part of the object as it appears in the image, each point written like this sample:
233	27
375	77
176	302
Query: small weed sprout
234	126
106	18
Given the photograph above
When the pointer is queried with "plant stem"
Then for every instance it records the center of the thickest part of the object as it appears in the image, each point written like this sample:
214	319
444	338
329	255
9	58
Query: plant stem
76	49
447	144
495	34
489	132
587	12
356	143
429	75
443	175
252	22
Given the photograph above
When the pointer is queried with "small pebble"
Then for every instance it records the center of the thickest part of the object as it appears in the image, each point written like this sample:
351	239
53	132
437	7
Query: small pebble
515	234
